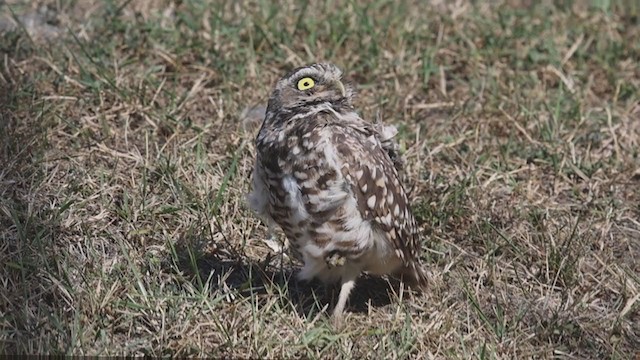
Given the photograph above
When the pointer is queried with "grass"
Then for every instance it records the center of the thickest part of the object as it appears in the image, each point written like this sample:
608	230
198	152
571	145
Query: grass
126	155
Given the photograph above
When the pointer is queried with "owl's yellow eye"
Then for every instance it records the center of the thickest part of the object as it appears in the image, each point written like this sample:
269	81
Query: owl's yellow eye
306	83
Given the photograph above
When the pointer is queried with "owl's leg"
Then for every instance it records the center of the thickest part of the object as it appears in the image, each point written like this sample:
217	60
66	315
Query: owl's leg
347	284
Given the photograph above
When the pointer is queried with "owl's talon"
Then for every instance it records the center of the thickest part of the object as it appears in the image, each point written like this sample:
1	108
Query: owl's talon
337	321
335	259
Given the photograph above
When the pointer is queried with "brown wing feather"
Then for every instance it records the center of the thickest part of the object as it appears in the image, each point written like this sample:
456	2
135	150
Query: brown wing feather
376	184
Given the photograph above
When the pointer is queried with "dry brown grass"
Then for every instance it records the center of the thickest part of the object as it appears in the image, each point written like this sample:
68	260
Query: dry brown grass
125	160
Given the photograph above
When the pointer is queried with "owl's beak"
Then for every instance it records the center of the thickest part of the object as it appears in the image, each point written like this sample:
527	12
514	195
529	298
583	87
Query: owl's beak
340	86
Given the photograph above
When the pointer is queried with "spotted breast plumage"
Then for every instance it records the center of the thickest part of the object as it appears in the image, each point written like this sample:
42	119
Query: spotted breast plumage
330	180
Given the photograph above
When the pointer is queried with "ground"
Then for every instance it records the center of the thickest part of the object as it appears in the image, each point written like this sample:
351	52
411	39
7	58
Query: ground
126	148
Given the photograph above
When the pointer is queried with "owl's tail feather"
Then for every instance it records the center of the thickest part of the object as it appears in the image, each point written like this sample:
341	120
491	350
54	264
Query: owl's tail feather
415	275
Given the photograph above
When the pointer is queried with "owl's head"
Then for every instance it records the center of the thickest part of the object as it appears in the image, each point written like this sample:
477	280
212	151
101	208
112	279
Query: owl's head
310	85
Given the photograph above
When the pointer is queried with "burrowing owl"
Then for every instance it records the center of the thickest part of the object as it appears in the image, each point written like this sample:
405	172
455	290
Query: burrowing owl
328	179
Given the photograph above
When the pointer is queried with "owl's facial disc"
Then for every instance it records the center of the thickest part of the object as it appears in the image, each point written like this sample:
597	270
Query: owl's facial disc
318	87
312	85
307	83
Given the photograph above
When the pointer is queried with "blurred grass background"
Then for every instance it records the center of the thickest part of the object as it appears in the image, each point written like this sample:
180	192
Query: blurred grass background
126	147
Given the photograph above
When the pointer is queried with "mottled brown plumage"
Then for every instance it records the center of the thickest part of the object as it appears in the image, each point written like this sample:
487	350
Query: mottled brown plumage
330	180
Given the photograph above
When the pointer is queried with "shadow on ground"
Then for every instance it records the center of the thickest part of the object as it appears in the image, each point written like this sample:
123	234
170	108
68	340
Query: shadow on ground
28	229
265	278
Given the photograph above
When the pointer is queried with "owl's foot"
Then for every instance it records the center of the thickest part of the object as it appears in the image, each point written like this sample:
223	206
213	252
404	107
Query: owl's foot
335	259
337	321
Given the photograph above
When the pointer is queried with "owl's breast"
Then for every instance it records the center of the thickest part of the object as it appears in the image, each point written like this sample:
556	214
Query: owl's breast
312	187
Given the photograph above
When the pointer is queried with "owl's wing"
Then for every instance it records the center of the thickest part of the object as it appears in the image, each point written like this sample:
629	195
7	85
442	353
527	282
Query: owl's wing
374	180
386	134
